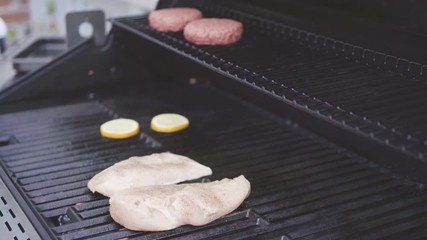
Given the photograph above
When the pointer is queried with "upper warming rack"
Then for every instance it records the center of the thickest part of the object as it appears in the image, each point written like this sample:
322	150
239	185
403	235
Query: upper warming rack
368	92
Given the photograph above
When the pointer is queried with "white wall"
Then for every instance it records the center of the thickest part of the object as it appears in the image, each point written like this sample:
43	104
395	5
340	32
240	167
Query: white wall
48	16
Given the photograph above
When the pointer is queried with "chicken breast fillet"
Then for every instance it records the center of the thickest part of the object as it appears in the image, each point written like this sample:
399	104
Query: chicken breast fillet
159	208
155	169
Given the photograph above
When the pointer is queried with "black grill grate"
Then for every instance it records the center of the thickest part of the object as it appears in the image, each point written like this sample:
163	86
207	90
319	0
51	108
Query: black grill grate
368	92
303	186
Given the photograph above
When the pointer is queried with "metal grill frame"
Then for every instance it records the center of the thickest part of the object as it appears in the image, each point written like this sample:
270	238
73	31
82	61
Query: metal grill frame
291	97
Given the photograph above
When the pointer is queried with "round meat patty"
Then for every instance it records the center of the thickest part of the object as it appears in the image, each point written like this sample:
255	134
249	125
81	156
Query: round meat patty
213	31
173	19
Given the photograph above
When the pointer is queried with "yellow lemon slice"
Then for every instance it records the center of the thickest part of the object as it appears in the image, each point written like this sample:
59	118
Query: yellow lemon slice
169	122
120	128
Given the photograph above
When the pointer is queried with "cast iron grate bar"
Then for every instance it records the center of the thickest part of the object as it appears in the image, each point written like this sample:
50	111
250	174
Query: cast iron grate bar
302	185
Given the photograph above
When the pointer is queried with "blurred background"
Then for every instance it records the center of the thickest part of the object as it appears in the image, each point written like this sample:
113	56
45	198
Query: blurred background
25	21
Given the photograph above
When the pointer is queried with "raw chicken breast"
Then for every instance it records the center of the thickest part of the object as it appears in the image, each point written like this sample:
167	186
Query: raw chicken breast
155	169
158	208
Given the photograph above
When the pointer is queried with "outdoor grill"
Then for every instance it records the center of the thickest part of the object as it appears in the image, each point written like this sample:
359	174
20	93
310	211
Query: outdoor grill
332	135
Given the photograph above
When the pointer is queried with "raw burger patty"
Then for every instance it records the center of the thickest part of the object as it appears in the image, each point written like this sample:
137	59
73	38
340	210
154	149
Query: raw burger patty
155	169
213	31
159	208
173	19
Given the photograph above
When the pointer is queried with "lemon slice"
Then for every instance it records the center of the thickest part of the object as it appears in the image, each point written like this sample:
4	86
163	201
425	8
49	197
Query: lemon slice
169	122
120	128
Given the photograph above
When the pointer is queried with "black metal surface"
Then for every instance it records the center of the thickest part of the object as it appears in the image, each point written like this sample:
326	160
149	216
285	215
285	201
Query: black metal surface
366	92
44	47
39	53
14	224
81	67
396	28
94	18
302	185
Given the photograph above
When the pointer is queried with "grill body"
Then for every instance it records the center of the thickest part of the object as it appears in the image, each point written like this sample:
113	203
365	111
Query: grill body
330	134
